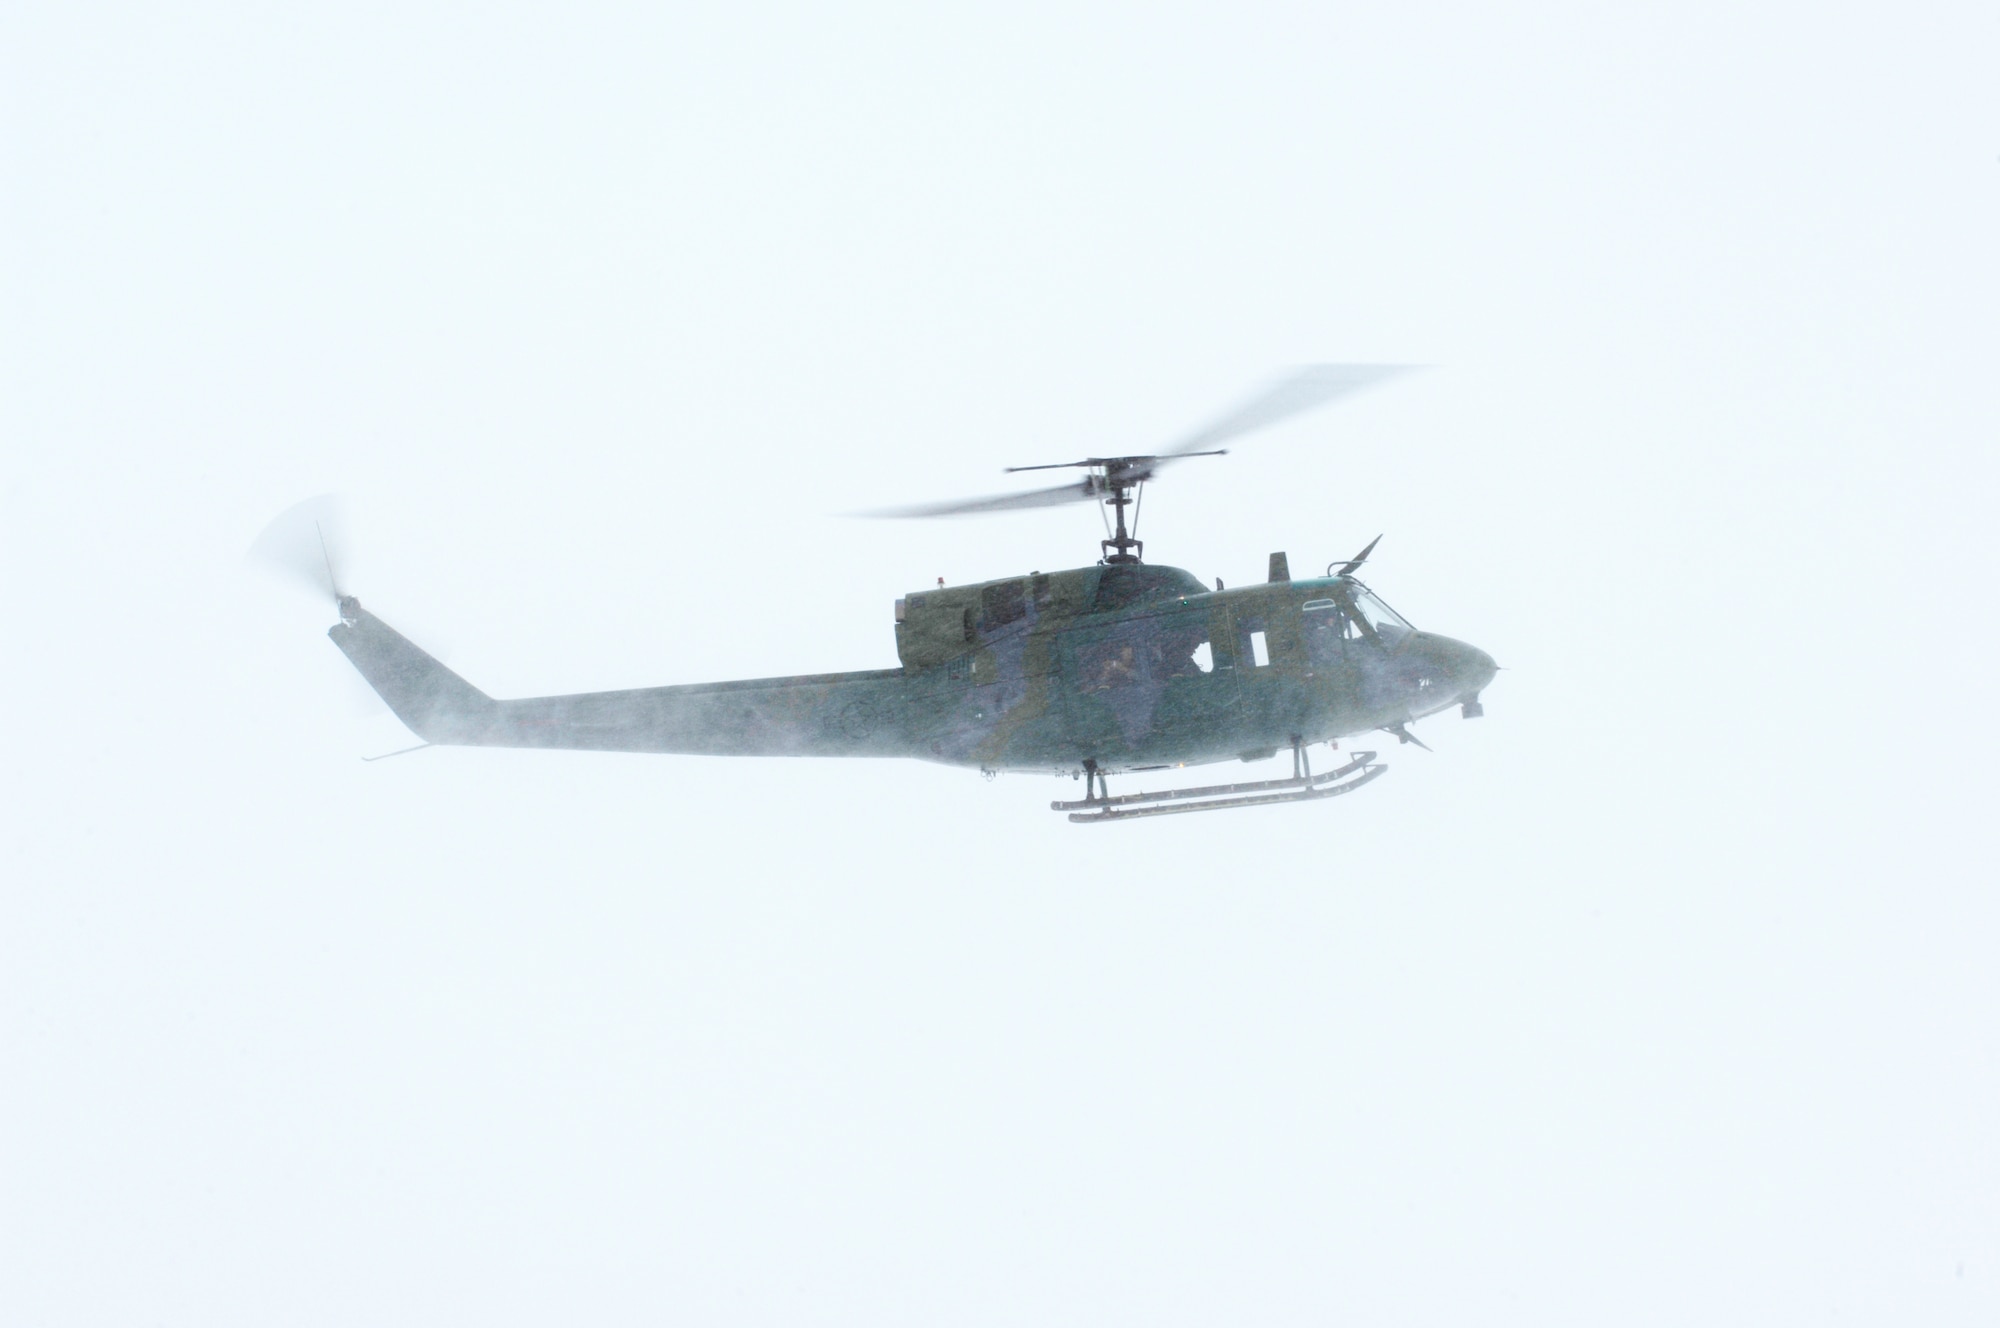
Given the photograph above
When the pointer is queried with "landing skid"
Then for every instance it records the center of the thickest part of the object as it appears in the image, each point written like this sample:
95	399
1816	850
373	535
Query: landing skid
1303	786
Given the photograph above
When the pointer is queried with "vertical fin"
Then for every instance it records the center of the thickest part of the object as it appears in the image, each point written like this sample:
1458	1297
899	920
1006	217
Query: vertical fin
437	704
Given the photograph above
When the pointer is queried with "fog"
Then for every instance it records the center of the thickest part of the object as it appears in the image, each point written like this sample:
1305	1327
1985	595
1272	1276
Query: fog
1663	993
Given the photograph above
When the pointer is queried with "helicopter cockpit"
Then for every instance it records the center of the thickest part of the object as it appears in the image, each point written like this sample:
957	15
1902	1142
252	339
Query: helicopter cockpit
1354	612
1386	623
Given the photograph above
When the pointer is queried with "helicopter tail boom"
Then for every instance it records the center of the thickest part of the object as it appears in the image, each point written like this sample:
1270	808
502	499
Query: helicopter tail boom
833	714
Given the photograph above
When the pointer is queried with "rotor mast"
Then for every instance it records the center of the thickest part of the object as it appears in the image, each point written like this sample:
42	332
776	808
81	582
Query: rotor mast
1124	546
1116	482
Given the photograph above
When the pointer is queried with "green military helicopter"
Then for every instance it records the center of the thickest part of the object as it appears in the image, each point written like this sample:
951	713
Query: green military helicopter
1094	671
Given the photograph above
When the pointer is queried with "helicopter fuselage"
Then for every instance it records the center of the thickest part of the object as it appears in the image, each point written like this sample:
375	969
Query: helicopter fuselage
1115	667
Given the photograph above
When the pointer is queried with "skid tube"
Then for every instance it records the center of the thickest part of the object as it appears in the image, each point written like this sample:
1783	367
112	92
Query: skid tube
1303	787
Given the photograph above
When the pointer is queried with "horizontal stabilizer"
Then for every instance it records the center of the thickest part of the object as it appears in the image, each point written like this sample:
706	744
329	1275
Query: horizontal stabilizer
437	704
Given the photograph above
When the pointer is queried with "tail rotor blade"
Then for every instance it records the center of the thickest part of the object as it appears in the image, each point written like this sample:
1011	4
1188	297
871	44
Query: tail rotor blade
303	544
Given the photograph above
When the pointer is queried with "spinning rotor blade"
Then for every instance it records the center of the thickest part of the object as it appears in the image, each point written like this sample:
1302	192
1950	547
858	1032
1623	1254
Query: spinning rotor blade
301	542
1081	491
1300	391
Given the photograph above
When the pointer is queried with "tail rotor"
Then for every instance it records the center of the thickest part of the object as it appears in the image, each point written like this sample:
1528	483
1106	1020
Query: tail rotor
303	544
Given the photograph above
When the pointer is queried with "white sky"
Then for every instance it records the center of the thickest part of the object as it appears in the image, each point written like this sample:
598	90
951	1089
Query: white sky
1664	994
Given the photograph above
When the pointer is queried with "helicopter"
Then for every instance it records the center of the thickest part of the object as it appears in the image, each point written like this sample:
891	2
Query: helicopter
1120	667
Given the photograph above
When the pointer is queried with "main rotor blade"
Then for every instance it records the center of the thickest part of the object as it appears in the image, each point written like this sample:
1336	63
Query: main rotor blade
1081	491
1302	390
1053	465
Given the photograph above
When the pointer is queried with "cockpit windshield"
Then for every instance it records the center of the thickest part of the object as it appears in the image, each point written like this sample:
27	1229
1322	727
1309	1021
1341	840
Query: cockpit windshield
1352	612
1378	614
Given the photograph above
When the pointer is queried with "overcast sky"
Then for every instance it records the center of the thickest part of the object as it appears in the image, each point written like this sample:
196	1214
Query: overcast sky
1663	994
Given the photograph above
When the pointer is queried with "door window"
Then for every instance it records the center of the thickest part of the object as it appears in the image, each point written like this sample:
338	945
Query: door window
1149	650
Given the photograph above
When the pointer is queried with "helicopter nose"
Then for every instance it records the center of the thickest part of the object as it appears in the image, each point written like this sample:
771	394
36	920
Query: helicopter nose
1481	670
1468	667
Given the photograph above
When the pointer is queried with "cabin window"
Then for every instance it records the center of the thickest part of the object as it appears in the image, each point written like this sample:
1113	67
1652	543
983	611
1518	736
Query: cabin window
1248	646
1148	650
1004	603
970	634
1177	646
1110	662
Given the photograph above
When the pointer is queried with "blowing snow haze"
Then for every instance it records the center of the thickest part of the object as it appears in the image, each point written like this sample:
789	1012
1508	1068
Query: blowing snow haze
1663	994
